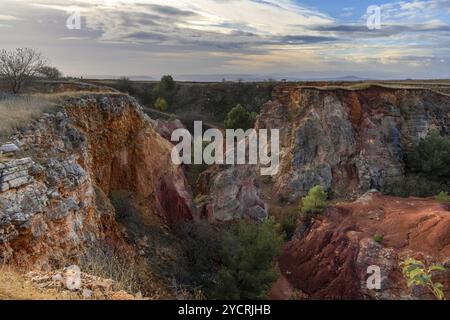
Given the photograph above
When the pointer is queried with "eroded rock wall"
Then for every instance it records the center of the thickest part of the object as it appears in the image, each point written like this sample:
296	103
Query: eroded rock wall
331	259
348	141
54	191
231	193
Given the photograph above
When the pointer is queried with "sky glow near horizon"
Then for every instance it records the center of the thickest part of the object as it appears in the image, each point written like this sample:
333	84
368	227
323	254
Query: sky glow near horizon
302	39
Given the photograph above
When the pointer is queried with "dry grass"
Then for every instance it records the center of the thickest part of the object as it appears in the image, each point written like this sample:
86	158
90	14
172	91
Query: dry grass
130	274
14	286
61	96
16	111
103	262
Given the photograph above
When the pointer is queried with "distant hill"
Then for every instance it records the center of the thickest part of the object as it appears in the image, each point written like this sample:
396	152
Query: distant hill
349	78
262	77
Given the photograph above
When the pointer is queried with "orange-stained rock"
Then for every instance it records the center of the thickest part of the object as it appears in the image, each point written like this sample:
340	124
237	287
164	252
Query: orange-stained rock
94	144
128	154
330	259
348	141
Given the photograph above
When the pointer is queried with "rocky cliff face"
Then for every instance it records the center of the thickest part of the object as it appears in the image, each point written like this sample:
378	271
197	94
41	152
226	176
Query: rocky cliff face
54	190
348	141
231	194
330	260
352	141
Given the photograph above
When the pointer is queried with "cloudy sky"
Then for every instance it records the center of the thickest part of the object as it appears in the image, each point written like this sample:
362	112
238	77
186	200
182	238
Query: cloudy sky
280	38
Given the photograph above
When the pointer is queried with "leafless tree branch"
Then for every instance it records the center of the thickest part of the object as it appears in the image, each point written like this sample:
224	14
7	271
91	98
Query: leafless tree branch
18	66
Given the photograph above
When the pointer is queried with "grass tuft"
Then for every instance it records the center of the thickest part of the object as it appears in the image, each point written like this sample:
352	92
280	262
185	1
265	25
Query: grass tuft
17	111
14	286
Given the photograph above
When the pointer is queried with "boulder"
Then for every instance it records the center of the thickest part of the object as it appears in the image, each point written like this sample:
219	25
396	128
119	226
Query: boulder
9	148
72	278
233	194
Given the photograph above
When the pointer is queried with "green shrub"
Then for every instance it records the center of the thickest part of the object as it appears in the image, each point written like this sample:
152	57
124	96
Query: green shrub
443	197
247	255
209	102
165	88
431	156
416	273
289	223
314	202
378	238
124	84
416	185
122	205
167	83
283	198
240	118
227	262
427	170
161	104
199	260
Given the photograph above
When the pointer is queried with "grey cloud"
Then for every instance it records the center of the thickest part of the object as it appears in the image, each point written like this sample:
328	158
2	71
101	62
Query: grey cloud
128	32
169	11
144	35
419	59
391	29
340	28
223	45
139	20
361	31
305	39
238	28
240	33
267	2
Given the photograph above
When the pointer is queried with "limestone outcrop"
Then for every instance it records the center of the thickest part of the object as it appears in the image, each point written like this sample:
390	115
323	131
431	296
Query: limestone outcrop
232	193
349	141
54	190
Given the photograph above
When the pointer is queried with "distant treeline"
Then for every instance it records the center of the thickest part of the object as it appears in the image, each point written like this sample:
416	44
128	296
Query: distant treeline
199	101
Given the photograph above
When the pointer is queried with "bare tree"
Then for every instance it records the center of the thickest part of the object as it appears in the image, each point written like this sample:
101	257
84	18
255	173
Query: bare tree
19	66
50	73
